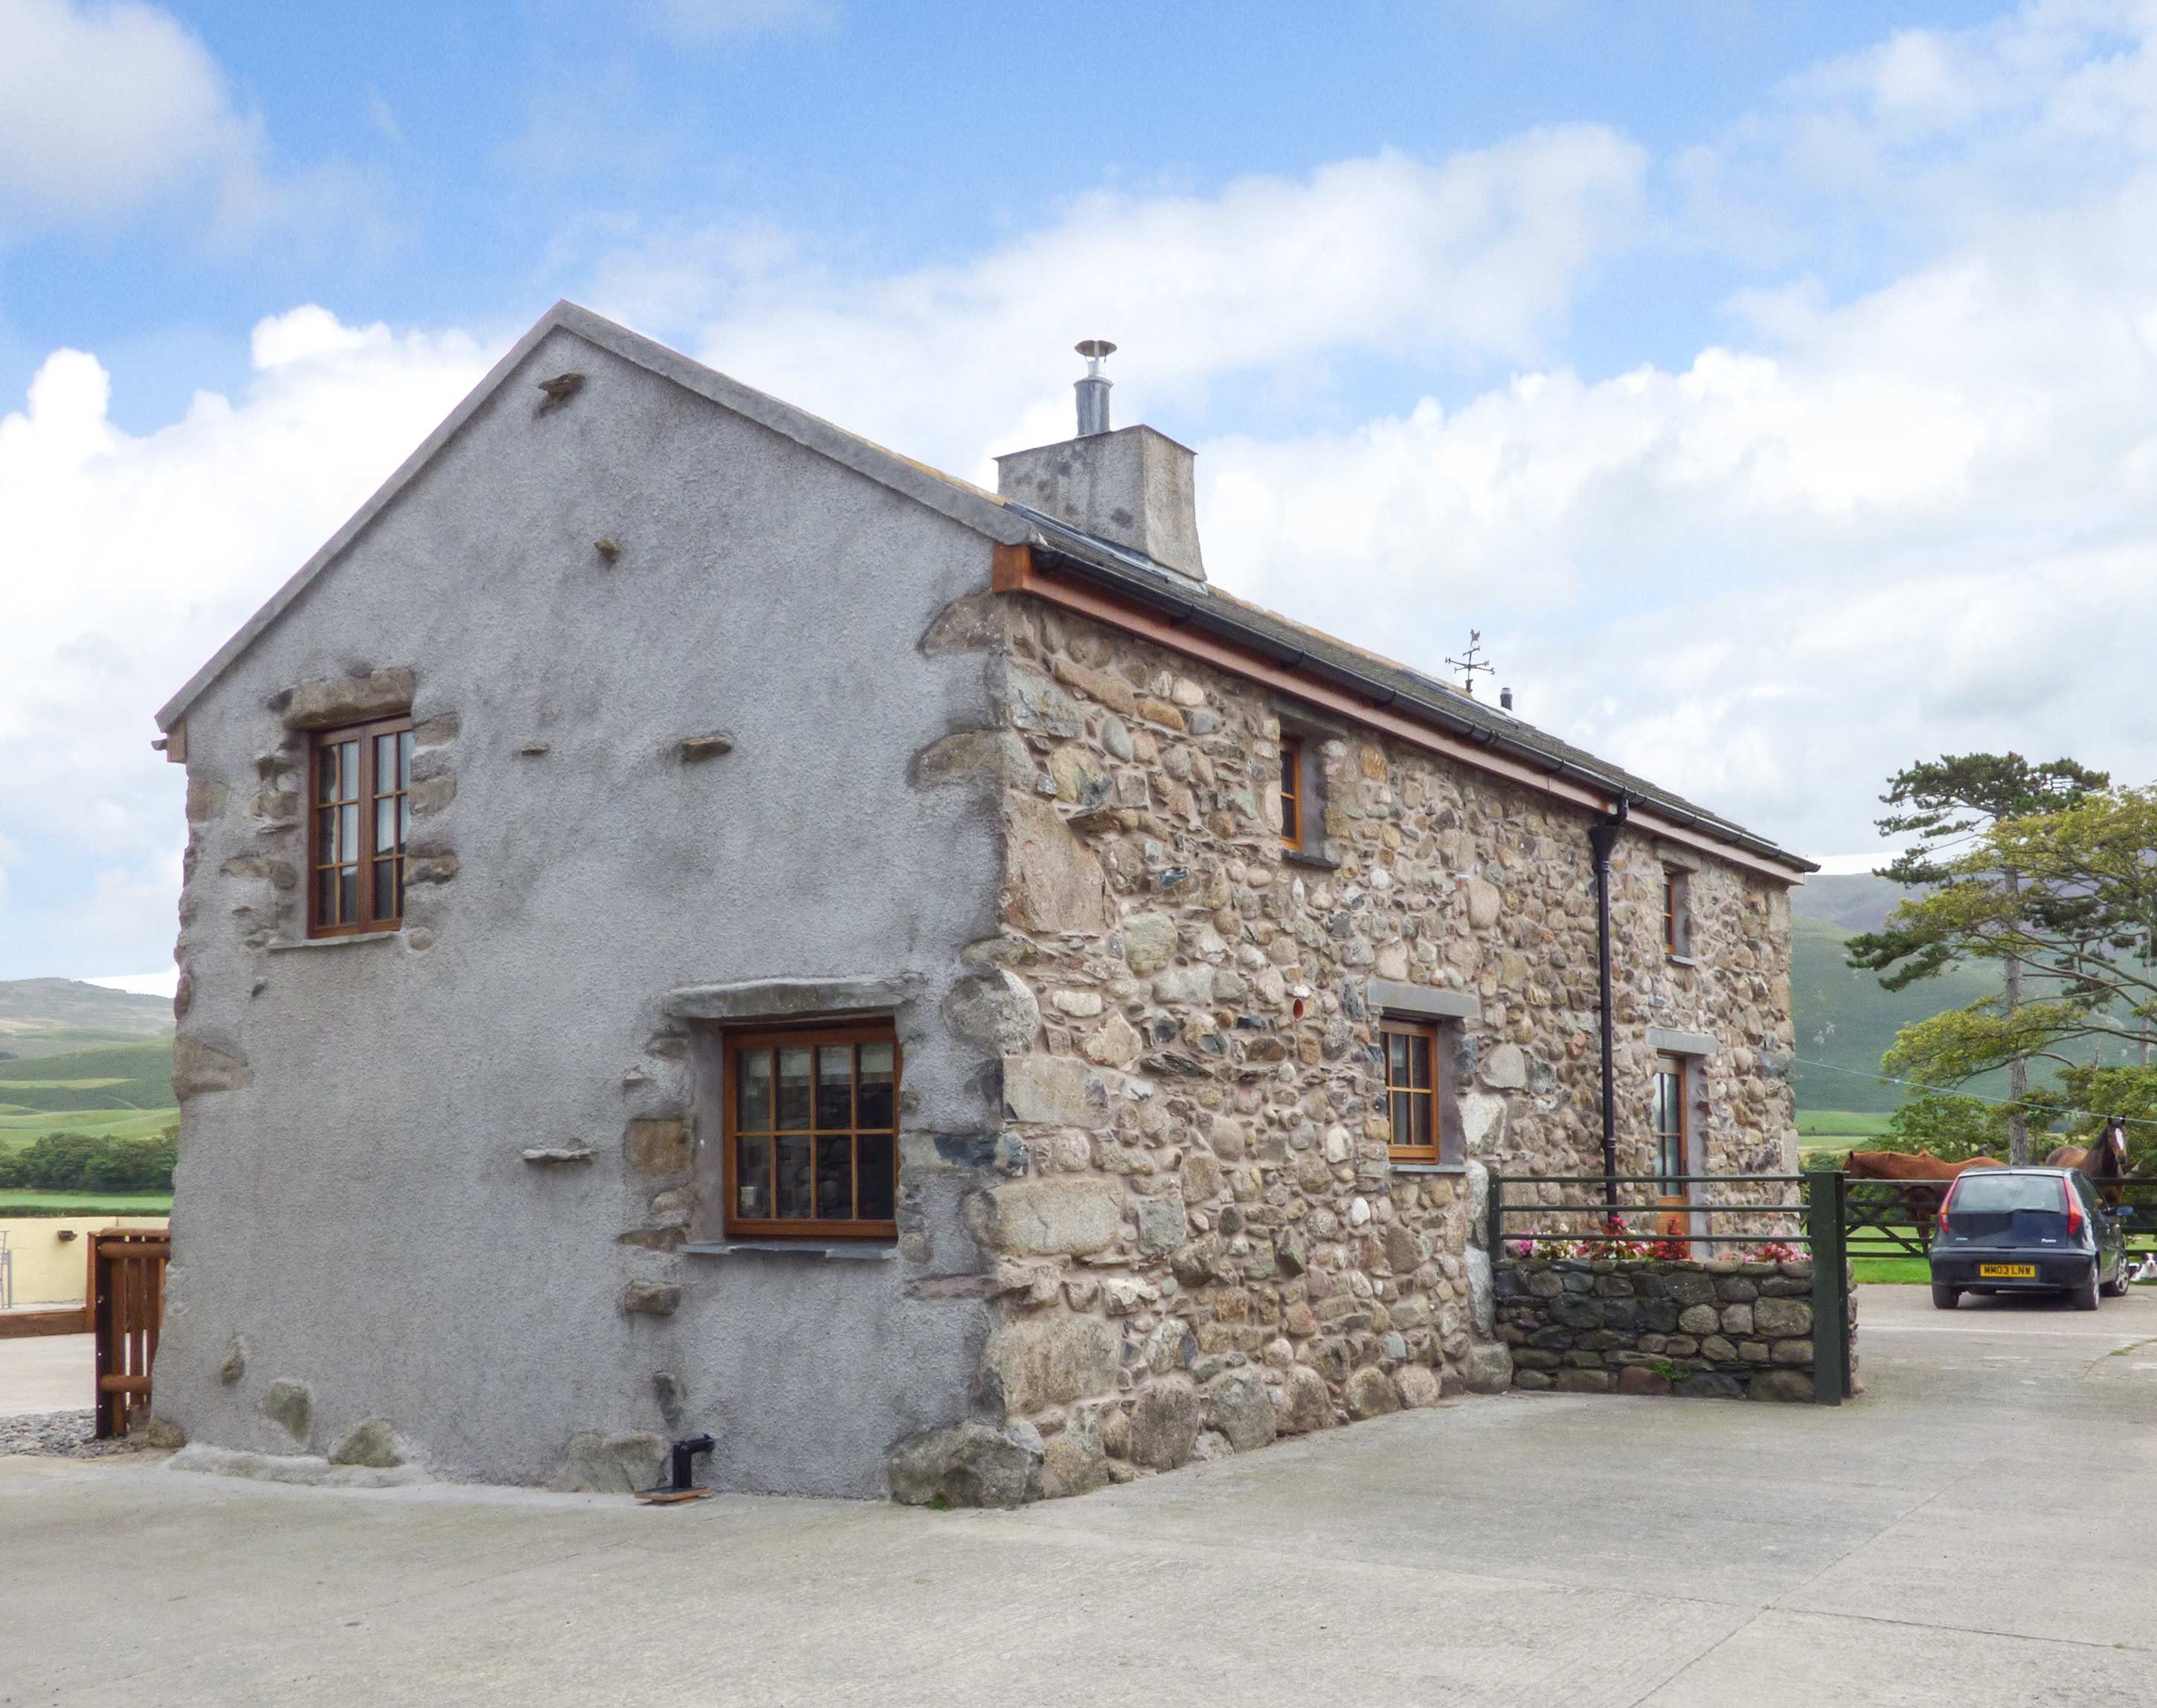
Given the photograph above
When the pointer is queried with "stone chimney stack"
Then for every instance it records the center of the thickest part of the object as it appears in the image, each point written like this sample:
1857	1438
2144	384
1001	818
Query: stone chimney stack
1131	485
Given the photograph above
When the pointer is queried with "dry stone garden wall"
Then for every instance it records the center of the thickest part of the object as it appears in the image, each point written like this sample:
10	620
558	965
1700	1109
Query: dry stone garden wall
1722	1329
1202	1242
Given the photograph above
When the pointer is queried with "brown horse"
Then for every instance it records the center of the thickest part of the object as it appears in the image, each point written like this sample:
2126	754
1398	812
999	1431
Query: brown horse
1923	1178
2105	1162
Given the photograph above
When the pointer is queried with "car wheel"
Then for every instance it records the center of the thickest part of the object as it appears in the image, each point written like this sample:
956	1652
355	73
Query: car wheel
2117	1287
2085	1296
1945	1298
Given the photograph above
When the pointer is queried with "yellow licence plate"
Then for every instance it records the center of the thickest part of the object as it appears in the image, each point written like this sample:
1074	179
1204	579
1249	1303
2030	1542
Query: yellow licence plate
2009	1271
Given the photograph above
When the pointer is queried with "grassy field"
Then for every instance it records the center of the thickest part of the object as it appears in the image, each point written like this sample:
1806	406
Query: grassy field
1912	1270
23	1129
123	1090
13	1203
1819	1123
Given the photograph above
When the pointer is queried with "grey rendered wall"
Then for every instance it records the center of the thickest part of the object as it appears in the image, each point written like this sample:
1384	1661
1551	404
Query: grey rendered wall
354	1214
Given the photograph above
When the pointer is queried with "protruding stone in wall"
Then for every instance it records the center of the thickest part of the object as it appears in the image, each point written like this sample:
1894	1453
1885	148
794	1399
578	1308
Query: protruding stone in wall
974	757
1165	1422
1238	1406
658	1146
372	1441
1057	883
199	1066
996	1010
1073	1460
1053	1360
348	699
694	749
1070	1215
234	1365
292	1404
651	1298
611	1464
1057	1090
1370	1393
969	1464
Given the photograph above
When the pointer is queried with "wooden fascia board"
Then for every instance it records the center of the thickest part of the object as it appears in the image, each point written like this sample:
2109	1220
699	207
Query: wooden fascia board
1013	572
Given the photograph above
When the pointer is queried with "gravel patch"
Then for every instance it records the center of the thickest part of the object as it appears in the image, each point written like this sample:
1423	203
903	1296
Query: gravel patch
63	1435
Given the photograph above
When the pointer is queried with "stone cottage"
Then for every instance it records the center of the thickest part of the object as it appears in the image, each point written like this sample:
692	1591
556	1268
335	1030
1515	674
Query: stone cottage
695	923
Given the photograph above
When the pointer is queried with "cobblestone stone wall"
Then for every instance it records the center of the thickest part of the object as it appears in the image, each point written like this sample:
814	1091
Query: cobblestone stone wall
1722	1329
1202	1242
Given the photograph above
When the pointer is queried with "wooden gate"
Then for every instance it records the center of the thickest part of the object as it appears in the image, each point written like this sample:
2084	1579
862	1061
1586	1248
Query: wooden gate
126	1307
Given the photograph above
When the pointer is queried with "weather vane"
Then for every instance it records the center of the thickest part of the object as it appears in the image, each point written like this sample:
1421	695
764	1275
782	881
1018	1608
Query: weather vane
1469	665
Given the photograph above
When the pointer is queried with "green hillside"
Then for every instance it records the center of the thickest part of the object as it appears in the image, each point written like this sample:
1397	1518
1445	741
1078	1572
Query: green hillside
45	1017
1845	1019
117	1076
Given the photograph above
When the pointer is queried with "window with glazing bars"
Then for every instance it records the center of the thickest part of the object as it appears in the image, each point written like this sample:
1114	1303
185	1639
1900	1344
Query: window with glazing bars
812	1133
1668	1111
1676	935
1291	791
361	818
1412	1089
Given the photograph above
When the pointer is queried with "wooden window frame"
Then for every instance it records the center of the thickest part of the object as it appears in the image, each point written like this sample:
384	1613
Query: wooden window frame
366	798
1294	794
808	1230
1678	900
1429	1032
1679	1068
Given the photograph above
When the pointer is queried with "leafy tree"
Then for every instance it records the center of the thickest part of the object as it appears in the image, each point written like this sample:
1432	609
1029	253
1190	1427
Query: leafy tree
1949	1126
2089	1096
2079	918
1951	805
85	1162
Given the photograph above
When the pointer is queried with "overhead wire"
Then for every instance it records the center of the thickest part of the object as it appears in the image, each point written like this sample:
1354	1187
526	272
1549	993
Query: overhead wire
1948	1091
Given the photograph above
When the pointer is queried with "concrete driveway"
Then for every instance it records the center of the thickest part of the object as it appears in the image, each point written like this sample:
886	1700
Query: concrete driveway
1975	1529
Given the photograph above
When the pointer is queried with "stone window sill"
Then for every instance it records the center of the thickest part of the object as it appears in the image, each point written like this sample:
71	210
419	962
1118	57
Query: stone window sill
336	943
790	1248
1303	857
1429	1168
1681	960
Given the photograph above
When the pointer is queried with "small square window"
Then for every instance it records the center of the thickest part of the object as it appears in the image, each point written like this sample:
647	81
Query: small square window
812	1133
359	819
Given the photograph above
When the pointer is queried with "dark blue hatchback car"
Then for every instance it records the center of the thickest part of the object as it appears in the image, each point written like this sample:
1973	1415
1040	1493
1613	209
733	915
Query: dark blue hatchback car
2026	1230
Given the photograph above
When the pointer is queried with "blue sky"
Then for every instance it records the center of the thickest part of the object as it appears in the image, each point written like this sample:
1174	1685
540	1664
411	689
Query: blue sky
1769	383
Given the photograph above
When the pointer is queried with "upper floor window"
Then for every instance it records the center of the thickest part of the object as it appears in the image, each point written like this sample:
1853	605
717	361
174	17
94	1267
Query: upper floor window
1677	925
812	1133
362	779
1292	791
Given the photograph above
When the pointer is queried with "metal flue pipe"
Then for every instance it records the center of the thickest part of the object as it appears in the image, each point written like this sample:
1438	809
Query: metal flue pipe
1602	840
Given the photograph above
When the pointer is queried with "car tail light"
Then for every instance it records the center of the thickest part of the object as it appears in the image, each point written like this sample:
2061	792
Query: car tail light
1946	1201
2074	1211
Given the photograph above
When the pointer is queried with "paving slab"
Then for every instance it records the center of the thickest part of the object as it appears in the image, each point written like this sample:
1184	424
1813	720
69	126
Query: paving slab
47	1373
1524	1549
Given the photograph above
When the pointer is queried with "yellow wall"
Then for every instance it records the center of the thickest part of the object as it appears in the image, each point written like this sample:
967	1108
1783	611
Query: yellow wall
51	1271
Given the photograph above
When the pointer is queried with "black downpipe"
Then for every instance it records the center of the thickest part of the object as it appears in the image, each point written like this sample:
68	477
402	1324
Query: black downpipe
1602	839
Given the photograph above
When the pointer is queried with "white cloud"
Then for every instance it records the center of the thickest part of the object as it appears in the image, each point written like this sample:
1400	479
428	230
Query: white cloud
109	109
130	559
1477	256
102	107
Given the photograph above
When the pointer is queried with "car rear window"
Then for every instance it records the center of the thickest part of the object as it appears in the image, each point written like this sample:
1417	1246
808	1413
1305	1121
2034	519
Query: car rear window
2004	1194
